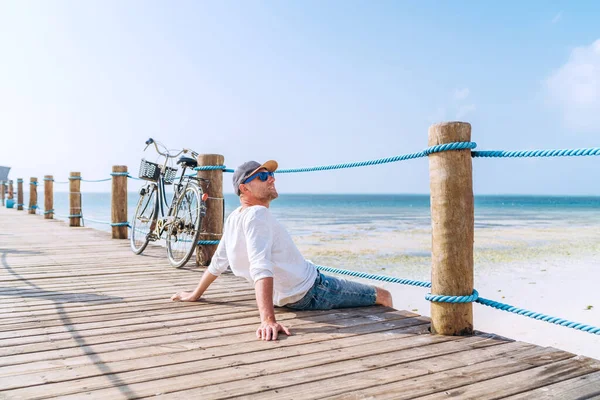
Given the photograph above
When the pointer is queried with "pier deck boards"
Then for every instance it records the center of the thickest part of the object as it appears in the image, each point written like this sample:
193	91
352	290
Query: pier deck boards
82	317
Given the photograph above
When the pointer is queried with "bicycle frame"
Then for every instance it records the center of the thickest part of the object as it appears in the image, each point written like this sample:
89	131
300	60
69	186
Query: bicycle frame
181	185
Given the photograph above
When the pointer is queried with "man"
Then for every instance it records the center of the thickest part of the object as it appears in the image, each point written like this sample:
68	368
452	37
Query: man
257	247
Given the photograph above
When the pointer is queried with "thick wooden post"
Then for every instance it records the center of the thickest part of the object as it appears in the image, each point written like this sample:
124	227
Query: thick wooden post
2	190
75	199
452	220
11	190
119	201
19	194
32	195
48	197
212	224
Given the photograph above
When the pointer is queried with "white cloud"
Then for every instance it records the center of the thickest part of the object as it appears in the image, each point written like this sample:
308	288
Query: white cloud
575	88
464	110
557	18
461	94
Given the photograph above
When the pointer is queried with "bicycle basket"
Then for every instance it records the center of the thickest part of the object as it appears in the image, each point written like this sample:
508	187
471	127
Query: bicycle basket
149	171
170	175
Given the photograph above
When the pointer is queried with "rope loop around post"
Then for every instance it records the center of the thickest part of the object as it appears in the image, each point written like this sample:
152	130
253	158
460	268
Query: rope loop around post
210	168
450	146
120	224
207	242
452	299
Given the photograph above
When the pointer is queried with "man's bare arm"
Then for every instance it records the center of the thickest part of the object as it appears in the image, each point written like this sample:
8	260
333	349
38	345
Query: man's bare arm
205	281
269	327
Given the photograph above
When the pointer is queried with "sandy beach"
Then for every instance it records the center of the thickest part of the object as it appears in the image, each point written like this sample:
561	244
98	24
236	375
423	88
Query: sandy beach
553	270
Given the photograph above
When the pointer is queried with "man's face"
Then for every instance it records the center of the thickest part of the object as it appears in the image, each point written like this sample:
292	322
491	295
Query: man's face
262	190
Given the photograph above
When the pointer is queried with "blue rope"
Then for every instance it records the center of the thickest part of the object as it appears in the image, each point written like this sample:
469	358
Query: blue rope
466	299
19	180
424	153
411	156
210	168
133	177
594	151
207	242
49	179
365	275
49	212
34	206
119	224
61	182
452	299
74	178
539	316
20	204
74	216
95	180
119	174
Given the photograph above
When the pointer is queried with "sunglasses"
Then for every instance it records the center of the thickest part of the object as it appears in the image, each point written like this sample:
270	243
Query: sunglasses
262	175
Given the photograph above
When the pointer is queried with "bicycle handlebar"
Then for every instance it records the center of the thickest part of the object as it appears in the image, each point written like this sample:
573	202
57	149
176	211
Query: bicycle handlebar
167	154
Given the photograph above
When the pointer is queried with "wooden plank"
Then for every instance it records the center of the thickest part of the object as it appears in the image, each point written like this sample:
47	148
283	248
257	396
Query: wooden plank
523	381
400	380
238	380
139	371
445	374
582	387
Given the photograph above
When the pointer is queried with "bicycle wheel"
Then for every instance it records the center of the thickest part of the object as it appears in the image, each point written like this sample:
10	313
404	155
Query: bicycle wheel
184	228
145	217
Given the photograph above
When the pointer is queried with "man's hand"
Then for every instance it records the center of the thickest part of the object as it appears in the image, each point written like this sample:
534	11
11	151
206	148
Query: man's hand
269	330
184	296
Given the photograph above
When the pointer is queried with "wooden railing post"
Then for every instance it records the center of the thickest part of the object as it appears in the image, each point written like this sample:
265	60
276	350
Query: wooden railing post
119	201
452	220
212	224
2	190
19	194
75	199
11	190
48	197
32	195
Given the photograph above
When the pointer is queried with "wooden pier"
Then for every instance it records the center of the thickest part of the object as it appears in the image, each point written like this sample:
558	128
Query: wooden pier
83	317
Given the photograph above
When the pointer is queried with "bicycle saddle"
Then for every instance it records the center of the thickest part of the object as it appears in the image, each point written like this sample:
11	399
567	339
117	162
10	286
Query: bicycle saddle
187	162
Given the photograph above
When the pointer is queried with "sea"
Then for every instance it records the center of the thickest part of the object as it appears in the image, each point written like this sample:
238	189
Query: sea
302	214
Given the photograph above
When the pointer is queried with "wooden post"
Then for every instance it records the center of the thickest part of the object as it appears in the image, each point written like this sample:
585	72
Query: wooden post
75	199
11	190
212	224
2	190
452	220
119	201
48	197
19	194
32	195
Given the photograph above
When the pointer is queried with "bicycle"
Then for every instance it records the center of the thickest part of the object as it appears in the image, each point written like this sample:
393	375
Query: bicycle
185	211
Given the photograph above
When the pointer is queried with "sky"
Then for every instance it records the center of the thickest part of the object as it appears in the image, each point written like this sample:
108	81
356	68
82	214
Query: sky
83	84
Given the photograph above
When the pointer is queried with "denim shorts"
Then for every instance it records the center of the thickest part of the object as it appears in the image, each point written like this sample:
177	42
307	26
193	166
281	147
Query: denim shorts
329	292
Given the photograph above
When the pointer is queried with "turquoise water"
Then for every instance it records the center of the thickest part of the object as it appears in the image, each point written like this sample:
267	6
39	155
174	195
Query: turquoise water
304	213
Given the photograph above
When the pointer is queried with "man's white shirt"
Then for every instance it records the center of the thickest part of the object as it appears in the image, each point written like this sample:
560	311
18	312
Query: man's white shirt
256	246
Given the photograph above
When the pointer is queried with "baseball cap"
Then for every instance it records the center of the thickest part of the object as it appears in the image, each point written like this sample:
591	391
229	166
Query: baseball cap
248	168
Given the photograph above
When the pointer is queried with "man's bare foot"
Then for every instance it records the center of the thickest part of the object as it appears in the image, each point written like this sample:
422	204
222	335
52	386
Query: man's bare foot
184	296
383	297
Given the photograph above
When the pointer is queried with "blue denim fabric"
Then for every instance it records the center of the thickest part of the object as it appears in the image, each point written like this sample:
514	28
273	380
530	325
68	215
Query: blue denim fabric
329	292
